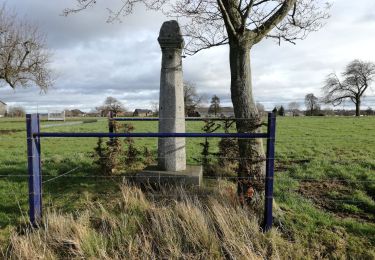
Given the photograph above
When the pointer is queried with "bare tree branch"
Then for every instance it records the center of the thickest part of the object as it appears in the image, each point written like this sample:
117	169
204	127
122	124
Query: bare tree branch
23	56
245	20
227	20
81	5
277	17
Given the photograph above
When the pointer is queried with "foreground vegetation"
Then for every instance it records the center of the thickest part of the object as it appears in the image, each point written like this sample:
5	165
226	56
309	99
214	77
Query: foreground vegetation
324	196
133	226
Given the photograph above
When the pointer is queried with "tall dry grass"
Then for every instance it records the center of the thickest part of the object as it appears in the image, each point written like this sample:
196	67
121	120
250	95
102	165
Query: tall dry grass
134	226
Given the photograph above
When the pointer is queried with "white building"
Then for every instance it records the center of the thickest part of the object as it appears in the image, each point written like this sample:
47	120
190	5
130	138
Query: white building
3	109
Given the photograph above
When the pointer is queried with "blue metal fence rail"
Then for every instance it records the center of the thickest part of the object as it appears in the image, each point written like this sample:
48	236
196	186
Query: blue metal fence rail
34	162
160	135
157	119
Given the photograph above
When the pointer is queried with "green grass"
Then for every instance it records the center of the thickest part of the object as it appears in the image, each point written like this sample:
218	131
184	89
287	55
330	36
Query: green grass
324	184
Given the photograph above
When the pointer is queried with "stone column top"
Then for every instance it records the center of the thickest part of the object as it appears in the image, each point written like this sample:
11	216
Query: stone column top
170	35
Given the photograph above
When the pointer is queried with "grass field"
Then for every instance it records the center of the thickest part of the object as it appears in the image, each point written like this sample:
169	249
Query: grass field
324	186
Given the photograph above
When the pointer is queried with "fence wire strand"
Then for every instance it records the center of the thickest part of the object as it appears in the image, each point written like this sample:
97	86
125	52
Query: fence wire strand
218	177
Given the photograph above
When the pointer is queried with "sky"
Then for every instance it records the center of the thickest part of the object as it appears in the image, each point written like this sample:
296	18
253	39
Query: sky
93	59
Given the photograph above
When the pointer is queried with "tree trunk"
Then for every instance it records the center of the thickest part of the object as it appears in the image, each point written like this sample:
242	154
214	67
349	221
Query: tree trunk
358	107
251	164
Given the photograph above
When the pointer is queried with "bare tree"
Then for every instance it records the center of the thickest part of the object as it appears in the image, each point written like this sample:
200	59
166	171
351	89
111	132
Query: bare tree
23	56
16	111
241	24
261	109
294	108
191	98
111	104
358	76
312	104
155	108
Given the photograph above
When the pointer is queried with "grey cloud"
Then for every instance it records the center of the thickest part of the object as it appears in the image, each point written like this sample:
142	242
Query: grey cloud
90	24
370	17
94	59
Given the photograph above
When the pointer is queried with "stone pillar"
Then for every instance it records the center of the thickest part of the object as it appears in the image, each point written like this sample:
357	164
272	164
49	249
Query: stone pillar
171	151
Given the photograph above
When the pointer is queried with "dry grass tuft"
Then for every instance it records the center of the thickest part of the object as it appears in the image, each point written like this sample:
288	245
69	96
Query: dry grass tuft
136	227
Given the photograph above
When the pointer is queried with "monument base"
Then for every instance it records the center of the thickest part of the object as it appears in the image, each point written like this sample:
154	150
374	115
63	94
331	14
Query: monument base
192	176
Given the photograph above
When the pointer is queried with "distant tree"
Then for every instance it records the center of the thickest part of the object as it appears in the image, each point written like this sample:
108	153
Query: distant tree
312	104
191	99
92	113
294	108
260	108
358	76
281	111
155	108
111	104
76	112
369	111
23	56
274	110
16	111
215	105
101	111
327	111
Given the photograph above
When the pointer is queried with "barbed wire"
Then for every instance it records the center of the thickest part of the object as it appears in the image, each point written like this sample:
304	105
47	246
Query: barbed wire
61	175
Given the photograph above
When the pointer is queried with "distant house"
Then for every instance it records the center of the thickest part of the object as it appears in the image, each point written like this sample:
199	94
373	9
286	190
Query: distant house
3	109
142	112
74	113
126	114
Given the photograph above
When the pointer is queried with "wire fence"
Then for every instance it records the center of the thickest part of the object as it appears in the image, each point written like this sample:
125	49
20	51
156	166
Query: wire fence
64	181
80	160
278	179
79	167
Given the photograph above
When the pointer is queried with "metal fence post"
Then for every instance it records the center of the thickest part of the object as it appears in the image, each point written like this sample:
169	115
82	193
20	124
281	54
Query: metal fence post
34	168
110	122
271	131
110	125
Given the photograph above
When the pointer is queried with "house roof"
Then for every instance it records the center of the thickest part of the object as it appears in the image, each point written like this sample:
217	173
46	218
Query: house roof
3	102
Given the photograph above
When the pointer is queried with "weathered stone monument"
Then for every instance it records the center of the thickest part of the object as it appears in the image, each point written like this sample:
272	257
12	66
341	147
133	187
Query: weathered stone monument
171	151
171	168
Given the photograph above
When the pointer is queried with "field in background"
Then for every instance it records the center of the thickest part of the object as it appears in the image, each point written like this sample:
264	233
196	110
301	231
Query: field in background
324	187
